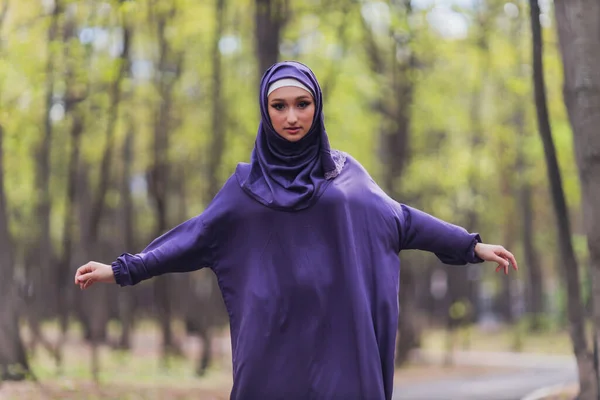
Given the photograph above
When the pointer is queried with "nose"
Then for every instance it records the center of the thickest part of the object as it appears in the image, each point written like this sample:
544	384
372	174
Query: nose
292	118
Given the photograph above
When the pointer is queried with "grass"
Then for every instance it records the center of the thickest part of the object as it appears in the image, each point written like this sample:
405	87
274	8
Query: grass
135	374
88	391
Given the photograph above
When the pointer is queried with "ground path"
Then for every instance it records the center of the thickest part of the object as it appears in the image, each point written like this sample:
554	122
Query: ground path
520	374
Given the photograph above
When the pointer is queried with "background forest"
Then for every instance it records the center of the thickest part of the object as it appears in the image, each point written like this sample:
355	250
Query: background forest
121	118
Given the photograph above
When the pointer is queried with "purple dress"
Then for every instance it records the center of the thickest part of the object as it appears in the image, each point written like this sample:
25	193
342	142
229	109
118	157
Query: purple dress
311	288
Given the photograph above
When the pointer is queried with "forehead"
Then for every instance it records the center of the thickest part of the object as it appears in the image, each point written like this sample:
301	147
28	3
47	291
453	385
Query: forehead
289	93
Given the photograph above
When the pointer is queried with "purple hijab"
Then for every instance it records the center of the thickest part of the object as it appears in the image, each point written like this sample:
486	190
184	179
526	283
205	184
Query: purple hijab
290	175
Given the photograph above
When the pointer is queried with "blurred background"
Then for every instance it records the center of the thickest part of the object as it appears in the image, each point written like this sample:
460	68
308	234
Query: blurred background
122	119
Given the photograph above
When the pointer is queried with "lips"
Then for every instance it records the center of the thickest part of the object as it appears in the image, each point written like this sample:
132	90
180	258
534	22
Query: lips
292	131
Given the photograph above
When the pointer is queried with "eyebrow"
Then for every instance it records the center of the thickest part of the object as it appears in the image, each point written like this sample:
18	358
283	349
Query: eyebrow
304	96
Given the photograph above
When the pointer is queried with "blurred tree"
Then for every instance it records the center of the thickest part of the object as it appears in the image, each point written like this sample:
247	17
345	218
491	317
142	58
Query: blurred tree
76	92
523	165
587	385
578	24
393	60
126	305
41	267
46	251
98	318
210	312
126	298
168	72
462	285
218	115
270	18
13	359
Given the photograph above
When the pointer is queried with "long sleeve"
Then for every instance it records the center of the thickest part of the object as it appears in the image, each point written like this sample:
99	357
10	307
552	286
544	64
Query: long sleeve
452	244
187	247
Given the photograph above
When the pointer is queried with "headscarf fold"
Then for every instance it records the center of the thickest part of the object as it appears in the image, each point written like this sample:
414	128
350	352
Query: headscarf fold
290	175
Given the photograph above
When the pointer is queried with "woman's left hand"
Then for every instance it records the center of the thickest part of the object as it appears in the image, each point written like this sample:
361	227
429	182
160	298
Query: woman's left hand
497	254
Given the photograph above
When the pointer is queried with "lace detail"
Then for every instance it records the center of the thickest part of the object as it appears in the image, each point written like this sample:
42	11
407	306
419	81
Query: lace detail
339	159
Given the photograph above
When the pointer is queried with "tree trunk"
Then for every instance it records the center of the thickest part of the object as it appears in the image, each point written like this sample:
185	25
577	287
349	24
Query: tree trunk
270	18
572	24
206	357
126	306
210	311
394	148
578	23
43	151
218	110
508	296
99	317
534	307
509	288
408	332
64	266
462	287
535	300
75	94
535	288
41	270
115	93
169	68
397	142
13	360
81	252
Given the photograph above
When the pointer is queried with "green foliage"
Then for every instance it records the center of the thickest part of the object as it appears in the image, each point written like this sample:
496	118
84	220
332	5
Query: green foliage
454	76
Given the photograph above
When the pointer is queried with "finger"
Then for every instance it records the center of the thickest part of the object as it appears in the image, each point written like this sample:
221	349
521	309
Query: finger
77	274
88	283
513	261
510	257
85	277
82	270
498	268
501	261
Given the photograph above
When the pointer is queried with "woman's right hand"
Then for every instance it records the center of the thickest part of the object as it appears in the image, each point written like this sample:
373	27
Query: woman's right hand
93	272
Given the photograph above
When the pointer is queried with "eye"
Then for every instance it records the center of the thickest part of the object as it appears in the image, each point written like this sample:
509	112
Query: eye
278	106
304	104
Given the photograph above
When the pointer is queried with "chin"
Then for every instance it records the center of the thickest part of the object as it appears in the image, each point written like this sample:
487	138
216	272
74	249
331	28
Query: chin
293	138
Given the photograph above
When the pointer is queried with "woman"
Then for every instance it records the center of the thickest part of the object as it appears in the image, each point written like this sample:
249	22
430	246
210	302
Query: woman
305	247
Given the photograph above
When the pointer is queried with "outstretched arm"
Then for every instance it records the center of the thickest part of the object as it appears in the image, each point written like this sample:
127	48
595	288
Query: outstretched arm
452	244
187	247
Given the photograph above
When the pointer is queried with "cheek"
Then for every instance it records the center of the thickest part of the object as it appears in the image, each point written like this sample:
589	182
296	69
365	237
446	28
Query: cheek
276	119
309	115
271	114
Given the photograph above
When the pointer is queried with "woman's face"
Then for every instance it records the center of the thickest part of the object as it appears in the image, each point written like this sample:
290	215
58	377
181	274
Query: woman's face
291	110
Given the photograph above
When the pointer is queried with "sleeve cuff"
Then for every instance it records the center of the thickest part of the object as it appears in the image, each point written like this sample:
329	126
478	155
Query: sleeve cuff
472	258
117	268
